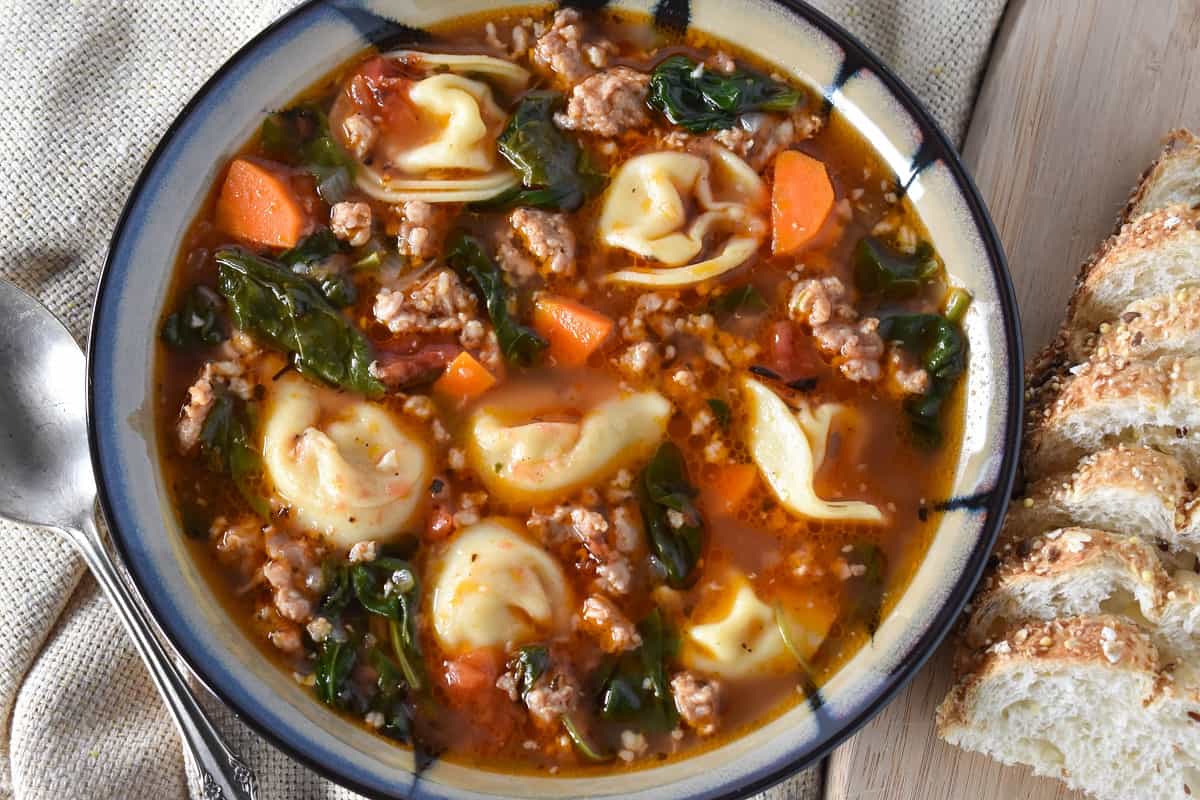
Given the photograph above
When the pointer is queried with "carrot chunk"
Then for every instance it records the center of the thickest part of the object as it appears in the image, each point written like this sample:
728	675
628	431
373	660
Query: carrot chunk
464	377
730	487
258	204
801	200
573	330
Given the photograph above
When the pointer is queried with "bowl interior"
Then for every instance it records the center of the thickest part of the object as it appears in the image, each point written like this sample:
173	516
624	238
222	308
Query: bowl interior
304	46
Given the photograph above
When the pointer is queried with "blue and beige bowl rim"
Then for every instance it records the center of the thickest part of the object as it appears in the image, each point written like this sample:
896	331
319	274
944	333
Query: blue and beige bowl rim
121	428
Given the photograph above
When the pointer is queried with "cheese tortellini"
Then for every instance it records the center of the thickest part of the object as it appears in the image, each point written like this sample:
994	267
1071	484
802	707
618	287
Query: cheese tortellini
459	121
536	461
741	640
349	470
647	211
788	448
495	587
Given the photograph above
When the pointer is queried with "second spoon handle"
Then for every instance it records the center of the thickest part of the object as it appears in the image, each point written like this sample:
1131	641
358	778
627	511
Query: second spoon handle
224	775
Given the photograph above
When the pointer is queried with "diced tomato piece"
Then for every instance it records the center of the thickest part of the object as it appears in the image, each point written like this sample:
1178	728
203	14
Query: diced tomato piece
790	352
473	671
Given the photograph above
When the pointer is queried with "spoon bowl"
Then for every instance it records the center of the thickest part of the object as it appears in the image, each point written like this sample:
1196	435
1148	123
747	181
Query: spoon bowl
46	481
45	469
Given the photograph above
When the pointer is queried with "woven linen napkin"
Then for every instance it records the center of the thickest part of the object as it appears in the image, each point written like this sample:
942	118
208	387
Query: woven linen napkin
86	89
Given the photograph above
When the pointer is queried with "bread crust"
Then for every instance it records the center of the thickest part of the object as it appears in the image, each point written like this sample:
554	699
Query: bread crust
1067	549
1177	145
1124	367
1071	552
1101	481
1157	326
1173	225
1163	391
1103	640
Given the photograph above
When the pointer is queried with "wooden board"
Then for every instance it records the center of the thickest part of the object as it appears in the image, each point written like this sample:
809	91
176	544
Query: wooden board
1076	99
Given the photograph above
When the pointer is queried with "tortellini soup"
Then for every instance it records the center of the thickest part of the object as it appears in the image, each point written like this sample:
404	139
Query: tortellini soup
551	394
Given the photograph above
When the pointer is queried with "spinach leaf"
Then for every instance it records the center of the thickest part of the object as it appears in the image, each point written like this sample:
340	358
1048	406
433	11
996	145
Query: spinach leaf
699	100
308	258
289	313
721	411
866	590
658	646
385	587
520	345
545	199
942	350
391	698
388	588
664	488
300	136
398	724
283	134
742	300
331	166
531	663
339	592
807	683
225	444
622	697
555	171
197	322
880	270
936	341
311	249
581	742
636	689
334	662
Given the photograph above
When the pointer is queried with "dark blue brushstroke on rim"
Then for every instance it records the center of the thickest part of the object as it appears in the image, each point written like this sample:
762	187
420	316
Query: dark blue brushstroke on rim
673	15
845	72
969	502
925	157
584	5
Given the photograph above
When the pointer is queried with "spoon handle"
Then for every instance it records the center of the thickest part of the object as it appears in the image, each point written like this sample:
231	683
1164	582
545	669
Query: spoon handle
224	775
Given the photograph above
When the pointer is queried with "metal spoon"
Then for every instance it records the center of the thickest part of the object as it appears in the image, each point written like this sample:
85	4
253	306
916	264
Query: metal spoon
46	481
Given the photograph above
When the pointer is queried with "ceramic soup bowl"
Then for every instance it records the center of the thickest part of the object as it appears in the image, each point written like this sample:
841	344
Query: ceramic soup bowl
302	47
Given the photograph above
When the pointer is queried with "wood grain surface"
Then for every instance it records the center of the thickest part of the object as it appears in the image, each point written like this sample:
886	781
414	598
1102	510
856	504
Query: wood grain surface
1077	97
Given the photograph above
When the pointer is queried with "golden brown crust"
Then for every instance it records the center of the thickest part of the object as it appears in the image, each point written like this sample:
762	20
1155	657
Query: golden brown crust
1065	551
1073	339
1144	402
1061	382
1174	144
1155	326
1102	640
1146	232
1055	500
1066	392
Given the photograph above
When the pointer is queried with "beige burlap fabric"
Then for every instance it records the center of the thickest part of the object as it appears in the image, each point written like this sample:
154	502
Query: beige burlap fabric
86	88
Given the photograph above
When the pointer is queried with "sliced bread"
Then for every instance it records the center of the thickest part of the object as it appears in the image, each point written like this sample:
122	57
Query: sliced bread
1113	401
1164	325
1082	650
1155	254
1130	491
1073	572
1082	699
1173	178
